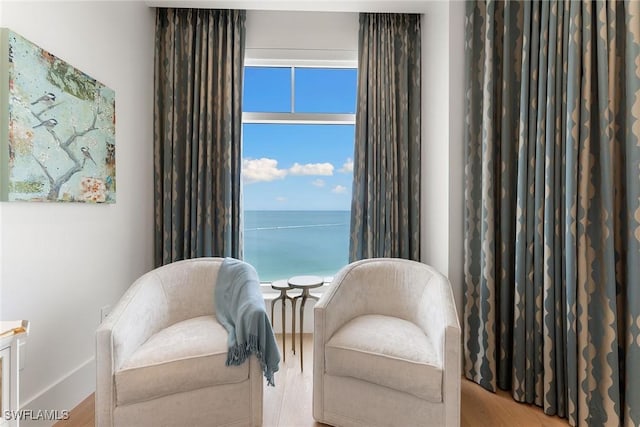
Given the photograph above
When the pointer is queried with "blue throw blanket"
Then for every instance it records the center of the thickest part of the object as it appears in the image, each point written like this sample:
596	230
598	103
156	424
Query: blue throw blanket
240	309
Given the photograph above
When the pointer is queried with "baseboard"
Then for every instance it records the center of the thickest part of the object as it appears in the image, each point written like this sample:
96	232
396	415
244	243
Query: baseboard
62	395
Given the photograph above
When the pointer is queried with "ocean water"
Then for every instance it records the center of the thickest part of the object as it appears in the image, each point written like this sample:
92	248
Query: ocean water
282	244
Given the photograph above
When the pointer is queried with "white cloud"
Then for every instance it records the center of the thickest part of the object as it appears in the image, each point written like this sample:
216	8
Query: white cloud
339	189
266	170
347	167
281	199
261	170
312	169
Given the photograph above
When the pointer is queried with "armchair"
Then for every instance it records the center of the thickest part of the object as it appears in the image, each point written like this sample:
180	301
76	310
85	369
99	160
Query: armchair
387	347
161	356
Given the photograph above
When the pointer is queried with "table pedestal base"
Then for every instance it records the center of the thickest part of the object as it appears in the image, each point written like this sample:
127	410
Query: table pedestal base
305	295
284	297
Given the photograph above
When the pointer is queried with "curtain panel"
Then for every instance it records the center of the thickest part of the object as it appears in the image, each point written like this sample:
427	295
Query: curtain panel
385	210
552	221
199	58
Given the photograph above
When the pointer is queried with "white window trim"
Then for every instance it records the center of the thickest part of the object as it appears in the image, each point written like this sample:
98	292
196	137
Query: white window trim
301	58
269	293
293	117
300	118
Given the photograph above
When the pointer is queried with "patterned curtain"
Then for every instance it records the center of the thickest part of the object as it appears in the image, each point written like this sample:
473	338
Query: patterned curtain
199	62
552	264
385	210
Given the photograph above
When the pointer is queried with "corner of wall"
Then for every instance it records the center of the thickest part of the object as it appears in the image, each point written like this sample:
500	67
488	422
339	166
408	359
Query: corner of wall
434	241
456	151
442	141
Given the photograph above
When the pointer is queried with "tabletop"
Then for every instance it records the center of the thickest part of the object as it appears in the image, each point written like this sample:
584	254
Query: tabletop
280	285
306	282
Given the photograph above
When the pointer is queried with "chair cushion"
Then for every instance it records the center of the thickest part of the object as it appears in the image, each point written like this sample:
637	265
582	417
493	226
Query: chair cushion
387	351
185	356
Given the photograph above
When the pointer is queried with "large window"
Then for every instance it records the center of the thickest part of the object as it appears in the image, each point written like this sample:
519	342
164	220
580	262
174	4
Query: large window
298	135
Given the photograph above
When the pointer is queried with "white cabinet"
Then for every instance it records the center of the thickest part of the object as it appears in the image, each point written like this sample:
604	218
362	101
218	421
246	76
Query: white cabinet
5	383
10	336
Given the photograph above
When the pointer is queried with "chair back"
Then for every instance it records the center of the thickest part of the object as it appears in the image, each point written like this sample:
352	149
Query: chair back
189	287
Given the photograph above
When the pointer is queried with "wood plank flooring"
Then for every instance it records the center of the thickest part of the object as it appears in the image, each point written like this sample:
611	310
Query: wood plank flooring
289	403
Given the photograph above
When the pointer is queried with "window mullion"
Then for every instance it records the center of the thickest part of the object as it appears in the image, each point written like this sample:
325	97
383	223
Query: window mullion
293	88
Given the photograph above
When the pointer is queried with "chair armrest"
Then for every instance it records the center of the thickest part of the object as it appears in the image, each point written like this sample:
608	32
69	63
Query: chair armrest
439	319
436	312
340	303
140	313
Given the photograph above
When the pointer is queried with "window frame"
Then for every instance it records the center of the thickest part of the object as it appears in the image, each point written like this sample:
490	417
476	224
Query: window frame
297	118
293	117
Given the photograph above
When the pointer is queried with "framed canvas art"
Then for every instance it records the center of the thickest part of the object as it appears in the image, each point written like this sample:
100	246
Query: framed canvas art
57	128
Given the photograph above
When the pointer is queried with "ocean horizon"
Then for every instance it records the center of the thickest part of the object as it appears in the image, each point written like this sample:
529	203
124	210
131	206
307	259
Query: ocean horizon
285	243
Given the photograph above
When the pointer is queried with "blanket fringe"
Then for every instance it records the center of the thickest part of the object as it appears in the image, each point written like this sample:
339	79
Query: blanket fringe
239	353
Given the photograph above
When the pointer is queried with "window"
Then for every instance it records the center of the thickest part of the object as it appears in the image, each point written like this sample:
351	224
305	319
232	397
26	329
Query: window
298	135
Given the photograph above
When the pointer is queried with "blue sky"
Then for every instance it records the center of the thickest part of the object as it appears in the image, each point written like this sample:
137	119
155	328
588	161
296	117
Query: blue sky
296	166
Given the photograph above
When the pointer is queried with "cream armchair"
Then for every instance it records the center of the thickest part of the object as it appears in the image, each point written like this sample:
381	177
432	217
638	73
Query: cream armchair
161	356
387	347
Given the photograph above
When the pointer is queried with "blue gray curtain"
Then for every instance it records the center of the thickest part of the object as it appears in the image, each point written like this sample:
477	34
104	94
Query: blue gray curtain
552	225
385	210
199	58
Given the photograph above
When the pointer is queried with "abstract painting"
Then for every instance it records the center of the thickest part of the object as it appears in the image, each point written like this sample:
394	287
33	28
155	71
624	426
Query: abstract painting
57	128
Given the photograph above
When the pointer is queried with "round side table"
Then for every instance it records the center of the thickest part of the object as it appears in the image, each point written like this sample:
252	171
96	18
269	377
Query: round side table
305	283
283	287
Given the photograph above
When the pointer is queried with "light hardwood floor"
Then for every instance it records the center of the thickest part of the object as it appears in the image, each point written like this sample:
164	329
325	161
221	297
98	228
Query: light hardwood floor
289	403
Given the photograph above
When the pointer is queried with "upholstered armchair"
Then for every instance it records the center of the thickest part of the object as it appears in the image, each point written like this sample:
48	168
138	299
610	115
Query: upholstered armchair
387	347
161	356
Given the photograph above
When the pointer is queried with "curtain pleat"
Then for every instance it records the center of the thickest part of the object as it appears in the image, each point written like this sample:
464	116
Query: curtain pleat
199	58
385	210
552	211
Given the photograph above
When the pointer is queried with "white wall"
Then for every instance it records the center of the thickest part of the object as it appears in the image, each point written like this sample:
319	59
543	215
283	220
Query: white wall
306	35
442	143
435	137
456	151
62	262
